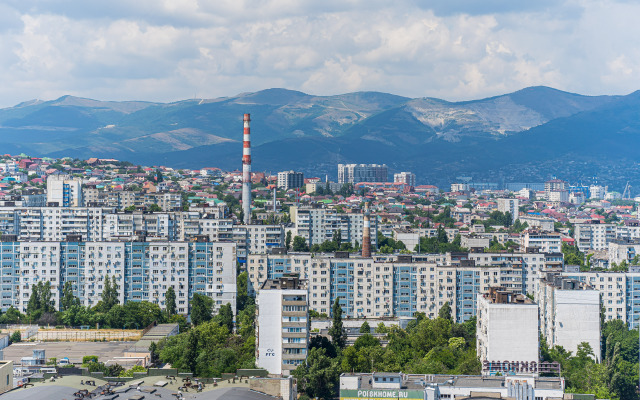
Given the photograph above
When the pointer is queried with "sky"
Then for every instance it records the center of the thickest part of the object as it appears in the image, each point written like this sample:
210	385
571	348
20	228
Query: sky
170	50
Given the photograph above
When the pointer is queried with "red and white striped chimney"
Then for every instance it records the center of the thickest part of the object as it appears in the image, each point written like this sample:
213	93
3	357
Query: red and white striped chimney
246	171
366	232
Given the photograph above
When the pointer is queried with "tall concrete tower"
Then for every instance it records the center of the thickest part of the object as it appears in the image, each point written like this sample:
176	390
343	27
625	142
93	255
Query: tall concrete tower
246	171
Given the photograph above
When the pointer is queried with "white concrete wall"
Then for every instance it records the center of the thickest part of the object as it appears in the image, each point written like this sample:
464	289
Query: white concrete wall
577	319
269	355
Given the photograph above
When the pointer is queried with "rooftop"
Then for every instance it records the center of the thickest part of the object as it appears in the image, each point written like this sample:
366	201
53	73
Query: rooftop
418	381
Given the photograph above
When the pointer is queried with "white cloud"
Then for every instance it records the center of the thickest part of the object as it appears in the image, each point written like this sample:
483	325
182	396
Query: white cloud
175	49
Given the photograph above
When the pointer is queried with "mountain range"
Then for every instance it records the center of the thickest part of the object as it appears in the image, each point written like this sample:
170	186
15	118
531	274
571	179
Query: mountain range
525	136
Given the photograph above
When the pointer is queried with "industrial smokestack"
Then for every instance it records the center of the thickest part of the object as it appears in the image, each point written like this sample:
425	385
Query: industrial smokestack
274	200
246	171
366	233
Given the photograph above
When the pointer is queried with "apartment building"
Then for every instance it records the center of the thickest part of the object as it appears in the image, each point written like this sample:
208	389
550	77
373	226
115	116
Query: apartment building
623	250
282	328
569	313
594	236
142	270
509	206
400	285
356	173
507	327
544	242
317	225
619	291
408	178
167	201
64	191
290	180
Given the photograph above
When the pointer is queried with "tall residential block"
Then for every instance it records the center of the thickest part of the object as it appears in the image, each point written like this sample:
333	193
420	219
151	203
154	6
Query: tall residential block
356	173
509	206
507	327
408	178
141	270
282	325
64	190
569	313
290	180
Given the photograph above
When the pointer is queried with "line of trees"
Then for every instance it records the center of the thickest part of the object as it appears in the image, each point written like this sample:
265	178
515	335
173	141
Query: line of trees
210	346
438	346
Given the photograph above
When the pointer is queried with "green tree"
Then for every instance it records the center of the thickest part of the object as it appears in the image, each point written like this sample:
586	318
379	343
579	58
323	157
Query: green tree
243	298
154	357
33	306
225	317
445	311
318	376
287	241
45	298
337	332
170	301
201	309
109	294
299	244
15	337
68	298
191	354
365	328
155	208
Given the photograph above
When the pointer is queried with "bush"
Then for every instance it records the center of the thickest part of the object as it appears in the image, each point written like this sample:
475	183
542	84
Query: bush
15	337
129	372
88	359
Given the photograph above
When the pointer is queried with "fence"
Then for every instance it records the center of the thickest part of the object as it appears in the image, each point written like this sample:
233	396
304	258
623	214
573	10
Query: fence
72	335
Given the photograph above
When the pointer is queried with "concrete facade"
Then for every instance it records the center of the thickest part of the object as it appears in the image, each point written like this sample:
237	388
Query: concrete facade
282	325
507	327
569	314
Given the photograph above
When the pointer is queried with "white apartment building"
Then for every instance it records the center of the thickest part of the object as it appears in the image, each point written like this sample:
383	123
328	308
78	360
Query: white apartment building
64	190
460	187
408	178
290	180
282	328
545	242
510	206
623	250
542	223
619	291
507	327
356	173
561	196
141	270
594	236
597	192
569	313
400	285
317	225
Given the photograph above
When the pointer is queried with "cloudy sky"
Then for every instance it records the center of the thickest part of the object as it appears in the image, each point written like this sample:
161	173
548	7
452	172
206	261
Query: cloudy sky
168	50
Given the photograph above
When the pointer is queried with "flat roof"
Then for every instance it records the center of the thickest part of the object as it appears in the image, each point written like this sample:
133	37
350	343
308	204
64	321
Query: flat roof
415	381
73	350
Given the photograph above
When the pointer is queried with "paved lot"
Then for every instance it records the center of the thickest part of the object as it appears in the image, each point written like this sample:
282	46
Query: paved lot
74	350
63	389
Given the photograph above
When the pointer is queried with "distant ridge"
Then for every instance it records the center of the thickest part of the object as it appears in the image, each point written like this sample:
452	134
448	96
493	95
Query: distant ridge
526	135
